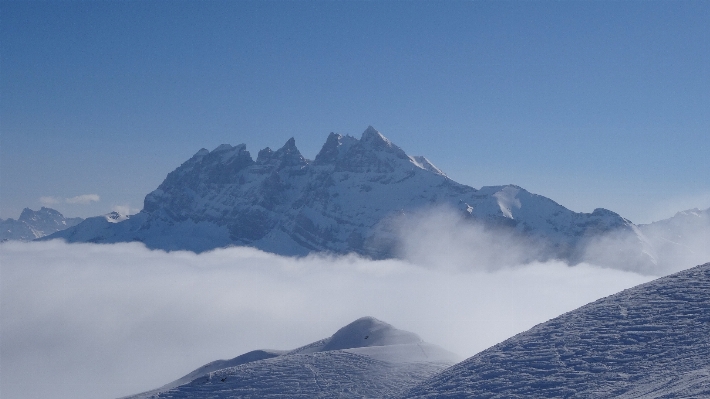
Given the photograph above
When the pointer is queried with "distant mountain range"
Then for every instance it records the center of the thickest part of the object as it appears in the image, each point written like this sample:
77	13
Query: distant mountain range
348	199
35	224
367	358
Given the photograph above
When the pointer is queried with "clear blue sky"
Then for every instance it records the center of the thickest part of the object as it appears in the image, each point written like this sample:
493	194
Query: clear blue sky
593	104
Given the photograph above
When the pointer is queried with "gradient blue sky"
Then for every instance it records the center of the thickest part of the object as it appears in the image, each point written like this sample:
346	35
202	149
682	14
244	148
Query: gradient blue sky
593	104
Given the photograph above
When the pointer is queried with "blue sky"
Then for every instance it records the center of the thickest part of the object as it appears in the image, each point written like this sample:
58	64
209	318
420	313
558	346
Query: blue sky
592	104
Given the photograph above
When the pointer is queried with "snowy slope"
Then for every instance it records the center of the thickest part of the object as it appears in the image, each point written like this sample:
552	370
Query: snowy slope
35	224
343	201
651	341
367	358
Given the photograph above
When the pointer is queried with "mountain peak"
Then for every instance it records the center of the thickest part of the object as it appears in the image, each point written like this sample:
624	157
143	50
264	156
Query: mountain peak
222	147
372	135
335	146
368	331
288	155
290	144
28	214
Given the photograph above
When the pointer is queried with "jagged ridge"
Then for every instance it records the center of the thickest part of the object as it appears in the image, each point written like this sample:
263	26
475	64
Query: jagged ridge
343	201
35	224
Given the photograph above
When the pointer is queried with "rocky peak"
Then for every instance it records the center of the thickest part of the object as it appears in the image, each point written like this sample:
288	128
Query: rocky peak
372	153
201	153
286	156
264	155
371	135
28	215
218	166
329	151
374	140
335	146
35	224
222	148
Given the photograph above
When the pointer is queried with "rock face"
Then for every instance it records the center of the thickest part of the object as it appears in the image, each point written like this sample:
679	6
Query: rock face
35	224
650	341
367	358
343	201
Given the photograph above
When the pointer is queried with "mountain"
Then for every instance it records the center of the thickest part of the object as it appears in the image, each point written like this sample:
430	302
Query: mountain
682	240
351	198
366	358
35	224
651	341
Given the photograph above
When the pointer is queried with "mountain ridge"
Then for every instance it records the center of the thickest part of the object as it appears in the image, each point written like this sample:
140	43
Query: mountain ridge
345	200
35	224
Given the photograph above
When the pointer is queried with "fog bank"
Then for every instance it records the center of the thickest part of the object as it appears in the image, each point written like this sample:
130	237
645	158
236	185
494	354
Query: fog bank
102	321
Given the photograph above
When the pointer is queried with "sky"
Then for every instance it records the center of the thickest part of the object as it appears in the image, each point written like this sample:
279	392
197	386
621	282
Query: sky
592	104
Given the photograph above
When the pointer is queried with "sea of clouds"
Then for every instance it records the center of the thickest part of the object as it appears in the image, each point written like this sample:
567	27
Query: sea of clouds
104	321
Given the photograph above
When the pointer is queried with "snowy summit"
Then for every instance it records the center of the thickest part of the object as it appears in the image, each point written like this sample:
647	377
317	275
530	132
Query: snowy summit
367	358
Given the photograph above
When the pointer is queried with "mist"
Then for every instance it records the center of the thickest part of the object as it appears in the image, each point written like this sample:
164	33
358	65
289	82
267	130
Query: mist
103	321
440	238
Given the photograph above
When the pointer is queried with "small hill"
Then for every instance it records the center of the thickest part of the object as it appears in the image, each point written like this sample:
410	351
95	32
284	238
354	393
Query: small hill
366	358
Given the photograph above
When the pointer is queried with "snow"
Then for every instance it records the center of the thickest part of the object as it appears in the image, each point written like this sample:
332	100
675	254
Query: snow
650	341
507	200
423	163
366	358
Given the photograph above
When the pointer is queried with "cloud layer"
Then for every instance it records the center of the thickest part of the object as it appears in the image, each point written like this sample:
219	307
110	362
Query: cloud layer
102	321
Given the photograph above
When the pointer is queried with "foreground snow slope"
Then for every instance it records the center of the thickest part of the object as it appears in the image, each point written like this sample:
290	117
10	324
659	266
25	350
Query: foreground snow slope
366	358
349	199
650	341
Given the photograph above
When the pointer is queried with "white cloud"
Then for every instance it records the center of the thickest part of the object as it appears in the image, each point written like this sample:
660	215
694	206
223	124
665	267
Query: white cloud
83	199
103	321
47	201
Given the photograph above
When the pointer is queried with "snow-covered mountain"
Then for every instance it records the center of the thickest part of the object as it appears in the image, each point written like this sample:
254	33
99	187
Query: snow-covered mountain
349	199
651	341
682	240
367	358
35	224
